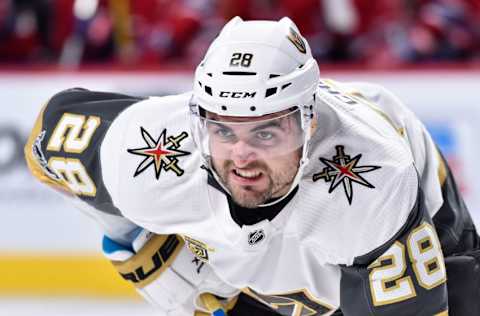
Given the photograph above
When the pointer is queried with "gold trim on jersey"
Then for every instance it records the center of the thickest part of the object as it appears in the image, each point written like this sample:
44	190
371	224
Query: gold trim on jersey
358	96
228	306
32	162
211	303
299	307
154	258
444	313
231	303
442	168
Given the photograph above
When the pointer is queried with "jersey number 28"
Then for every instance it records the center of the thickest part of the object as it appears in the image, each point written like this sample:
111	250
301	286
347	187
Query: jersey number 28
73	134
388	282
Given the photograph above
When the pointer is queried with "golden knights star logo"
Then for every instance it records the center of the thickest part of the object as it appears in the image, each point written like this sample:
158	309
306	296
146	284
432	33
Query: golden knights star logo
162	153
343	169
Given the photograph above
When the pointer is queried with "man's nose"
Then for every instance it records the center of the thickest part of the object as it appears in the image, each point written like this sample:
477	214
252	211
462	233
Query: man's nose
243	153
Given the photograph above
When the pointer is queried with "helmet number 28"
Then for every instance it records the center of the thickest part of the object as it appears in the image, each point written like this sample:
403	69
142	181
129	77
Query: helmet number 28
241	59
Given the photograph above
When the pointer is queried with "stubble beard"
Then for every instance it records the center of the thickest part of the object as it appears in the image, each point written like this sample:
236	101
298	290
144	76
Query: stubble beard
248	196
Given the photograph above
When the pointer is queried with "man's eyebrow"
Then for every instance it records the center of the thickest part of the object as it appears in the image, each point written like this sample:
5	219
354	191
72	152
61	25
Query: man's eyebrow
273	123
218	124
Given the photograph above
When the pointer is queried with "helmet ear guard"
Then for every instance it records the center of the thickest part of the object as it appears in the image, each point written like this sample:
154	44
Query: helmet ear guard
253	69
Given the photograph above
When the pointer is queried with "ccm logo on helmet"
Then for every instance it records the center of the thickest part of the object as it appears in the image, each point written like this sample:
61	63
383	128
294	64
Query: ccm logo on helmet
237	94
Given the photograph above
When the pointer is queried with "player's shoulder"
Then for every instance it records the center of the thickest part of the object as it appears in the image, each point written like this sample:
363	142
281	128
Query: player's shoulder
360	184
63	147
157	110
82	101
375	96
149	161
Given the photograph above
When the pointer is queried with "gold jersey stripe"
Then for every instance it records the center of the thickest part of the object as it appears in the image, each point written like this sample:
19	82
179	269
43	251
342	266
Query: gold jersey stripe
32	162
62	275
444	313
358	96
442	169
231	303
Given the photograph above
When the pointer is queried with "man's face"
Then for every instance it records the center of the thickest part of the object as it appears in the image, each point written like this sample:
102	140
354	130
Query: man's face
256	158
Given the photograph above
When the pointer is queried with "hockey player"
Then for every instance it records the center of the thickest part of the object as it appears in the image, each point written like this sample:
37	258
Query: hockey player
267	190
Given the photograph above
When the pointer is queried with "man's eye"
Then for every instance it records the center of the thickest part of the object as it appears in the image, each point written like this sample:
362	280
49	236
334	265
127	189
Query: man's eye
223	132
263	135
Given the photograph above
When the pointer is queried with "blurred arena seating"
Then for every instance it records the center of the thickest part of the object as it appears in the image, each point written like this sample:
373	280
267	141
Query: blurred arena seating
382	33
425	51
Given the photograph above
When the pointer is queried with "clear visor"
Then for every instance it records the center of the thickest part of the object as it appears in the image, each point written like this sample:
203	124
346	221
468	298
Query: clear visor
250	138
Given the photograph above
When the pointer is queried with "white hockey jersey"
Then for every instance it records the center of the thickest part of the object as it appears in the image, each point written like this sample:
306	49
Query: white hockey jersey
357	235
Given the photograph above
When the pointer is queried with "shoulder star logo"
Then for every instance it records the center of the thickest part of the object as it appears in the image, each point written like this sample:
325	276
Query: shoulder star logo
162	153
343	169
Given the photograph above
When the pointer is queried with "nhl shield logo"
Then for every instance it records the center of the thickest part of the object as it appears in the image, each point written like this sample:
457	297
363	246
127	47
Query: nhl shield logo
256	237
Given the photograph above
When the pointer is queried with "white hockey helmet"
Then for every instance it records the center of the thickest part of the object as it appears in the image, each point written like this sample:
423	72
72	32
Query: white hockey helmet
255	68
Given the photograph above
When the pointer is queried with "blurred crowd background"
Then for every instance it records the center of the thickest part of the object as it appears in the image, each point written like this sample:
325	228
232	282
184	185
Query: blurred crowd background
380	33
50	252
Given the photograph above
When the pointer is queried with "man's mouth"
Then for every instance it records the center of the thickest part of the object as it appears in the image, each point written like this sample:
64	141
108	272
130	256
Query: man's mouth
247	175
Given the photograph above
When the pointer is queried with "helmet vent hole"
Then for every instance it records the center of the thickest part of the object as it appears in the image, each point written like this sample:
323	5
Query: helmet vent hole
208	90
301	66
224	108
252	108
239	73
210	74
200	84
273	76
270	92
286	85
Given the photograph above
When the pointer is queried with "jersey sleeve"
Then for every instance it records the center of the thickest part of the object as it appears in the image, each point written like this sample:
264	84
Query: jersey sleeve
442	197
405	276
428	162
64	146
